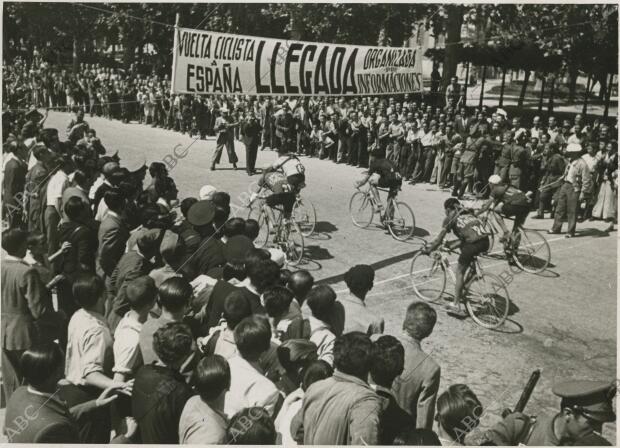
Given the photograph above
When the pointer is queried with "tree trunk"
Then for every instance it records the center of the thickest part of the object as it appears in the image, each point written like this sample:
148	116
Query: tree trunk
542	94
551	93
466	85
584	111
603	90
76	58
572	85
484	77
451	58
501	92
526	79
608	94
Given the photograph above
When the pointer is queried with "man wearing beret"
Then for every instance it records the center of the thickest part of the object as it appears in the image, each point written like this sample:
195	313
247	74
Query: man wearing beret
584	407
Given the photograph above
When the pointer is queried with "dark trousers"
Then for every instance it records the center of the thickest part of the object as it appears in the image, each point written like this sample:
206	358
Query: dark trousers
11	373
445	172
429	163
412	159
544	199
95	426
223	141
51	220
354	146
418	175
568	204
251	150
405	152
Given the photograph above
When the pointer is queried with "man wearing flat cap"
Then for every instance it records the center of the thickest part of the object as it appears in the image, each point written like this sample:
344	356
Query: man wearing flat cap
584	407
210	252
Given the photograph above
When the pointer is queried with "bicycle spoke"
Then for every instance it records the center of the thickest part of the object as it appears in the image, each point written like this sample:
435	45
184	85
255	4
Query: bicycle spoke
487	301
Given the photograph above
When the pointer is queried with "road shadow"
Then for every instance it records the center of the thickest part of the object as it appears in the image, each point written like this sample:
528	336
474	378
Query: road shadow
591	231
420	232
315	252
325	227
376	266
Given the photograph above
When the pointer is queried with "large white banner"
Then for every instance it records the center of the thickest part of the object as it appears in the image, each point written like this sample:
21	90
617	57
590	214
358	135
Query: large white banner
218	63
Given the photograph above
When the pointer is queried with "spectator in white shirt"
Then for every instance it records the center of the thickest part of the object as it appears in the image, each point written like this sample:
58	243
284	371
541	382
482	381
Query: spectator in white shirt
140	294
359	280
203	420
322	303
248	386
89	357
55	187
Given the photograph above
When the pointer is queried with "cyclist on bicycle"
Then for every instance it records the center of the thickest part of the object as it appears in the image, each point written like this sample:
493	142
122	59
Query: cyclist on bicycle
382	173
508	201
471	239
285	178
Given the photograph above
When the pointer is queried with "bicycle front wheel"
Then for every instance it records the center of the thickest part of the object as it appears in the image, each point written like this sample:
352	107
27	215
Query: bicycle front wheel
487	300
361	209
263	230
304	214
428	276
294	245
402	222
532	252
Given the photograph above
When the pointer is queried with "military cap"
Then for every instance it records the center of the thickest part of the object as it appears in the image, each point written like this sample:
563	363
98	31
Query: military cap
573	147
590	398
201	213
236	248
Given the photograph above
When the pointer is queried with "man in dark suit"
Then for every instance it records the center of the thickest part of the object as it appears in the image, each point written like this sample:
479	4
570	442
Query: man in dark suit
416	388
35	197
209	254
24	300
113	234
13	183
251	135
388	362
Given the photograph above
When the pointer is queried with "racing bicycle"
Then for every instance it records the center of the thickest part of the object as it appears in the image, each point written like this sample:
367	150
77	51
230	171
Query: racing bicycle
285	235
485	295
397	217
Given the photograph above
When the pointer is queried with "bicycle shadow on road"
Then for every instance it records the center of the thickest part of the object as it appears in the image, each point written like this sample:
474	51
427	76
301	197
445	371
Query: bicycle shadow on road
322	231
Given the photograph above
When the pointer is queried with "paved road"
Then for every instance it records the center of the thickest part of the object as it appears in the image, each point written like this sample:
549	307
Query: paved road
563	321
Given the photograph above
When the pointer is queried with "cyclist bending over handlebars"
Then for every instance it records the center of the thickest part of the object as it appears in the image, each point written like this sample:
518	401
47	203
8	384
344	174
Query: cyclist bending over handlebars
284	178
383	174
471	239
508	201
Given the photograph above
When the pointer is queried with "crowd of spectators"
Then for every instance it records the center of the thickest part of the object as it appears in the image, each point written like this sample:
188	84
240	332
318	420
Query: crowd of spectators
130	315
453	146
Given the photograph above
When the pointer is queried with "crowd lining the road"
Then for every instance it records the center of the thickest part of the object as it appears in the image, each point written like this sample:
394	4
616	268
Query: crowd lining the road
132	316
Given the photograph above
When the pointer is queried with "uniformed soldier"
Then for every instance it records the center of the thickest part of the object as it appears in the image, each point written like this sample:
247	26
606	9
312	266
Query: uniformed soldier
584	407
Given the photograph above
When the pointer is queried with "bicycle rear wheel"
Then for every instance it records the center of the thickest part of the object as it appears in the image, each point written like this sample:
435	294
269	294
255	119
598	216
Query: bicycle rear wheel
263	230
402	222
361	209
428	276
489	229
293	247
305	216
532	252
487	300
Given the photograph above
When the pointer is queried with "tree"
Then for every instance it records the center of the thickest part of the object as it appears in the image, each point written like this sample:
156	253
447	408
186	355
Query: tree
453	24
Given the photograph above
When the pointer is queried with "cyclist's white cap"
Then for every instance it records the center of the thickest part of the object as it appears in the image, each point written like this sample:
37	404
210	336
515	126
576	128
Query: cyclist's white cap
206	192
495	179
